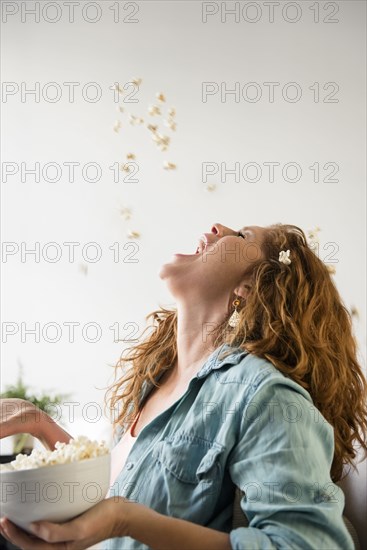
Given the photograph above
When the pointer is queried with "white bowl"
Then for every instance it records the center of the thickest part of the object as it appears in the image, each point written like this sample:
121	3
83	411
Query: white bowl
53	493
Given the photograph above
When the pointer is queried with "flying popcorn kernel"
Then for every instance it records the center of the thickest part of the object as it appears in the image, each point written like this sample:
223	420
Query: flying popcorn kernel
152	127
117	126
135	120
169	165
154	110
125	212
211	187
172	112
170	124
160	97
126	167
130	156
313	233
118	89
161	140
84	269
133	234
313	238
331	269
120	109
136	81
354	311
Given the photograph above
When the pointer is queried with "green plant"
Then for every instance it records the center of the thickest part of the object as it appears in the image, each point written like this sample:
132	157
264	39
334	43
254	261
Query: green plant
44	402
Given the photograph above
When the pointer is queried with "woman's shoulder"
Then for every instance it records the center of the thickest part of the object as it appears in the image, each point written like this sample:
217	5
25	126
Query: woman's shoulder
247	369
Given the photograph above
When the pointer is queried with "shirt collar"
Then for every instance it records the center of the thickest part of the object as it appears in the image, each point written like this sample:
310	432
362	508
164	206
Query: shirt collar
214	362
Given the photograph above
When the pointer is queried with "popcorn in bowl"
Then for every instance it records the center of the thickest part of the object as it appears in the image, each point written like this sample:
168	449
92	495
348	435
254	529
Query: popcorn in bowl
80	448
55	485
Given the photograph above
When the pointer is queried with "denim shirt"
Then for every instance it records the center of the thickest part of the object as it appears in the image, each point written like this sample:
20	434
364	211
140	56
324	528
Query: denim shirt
242	423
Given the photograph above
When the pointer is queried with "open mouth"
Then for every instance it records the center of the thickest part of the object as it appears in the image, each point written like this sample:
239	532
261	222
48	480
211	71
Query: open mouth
201	248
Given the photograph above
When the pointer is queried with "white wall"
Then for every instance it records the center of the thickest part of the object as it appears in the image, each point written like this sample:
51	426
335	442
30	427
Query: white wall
173	51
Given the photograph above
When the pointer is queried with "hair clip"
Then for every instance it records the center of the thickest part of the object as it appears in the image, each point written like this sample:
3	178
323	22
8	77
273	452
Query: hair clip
284	257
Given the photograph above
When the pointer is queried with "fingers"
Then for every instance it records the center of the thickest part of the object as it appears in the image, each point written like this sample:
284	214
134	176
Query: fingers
55	532
20	538
2	532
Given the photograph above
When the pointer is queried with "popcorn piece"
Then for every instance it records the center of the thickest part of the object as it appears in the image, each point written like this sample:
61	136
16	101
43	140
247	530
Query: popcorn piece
120	109
170	124
125	212
118	89
154	110
354	311
160	97
313	235
161	140
284	257
80	448
331	269
152	127
130	156
136	81
126	167
313	239
133	234
172	112
211	187
169	165
117	126
135	120
84	269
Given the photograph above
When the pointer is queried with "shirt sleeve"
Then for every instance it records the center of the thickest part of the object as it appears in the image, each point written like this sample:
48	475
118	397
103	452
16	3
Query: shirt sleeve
282	463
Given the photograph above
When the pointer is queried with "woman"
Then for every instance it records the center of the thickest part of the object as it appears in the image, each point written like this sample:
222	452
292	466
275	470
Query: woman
259	387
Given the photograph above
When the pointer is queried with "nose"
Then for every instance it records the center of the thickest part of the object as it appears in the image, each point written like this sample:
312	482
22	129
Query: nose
221	230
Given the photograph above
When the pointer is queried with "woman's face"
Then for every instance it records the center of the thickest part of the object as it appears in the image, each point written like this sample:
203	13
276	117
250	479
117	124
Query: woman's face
222	257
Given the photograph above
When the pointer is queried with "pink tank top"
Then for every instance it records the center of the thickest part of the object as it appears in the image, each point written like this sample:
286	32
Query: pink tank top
121	450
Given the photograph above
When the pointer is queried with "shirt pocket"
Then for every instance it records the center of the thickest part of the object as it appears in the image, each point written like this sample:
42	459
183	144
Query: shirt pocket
189	458
192	472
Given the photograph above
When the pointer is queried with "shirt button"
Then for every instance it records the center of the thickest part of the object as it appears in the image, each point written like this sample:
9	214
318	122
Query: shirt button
129	465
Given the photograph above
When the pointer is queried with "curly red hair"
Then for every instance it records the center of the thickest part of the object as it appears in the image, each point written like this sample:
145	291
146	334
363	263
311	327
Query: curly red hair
293	317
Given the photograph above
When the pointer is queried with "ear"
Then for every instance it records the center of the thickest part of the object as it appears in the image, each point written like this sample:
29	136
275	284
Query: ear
244	288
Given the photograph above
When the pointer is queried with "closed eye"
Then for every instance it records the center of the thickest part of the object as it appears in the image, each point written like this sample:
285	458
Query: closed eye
239	234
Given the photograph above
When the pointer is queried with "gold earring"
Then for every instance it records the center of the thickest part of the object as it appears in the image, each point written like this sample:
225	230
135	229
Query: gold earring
235	317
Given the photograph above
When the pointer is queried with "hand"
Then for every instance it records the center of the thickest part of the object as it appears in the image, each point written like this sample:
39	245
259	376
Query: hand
20	416
105	520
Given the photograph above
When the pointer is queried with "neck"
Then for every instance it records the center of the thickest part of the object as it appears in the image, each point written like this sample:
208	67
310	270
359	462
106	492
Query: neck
195	341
